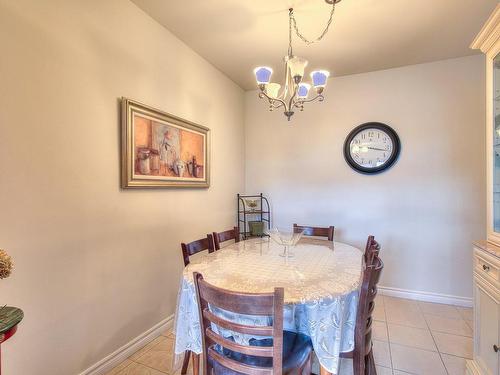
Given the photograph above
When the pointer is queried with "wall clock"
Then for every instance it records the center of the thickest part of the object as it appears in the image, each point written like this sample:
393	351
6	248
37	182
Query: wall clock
371	147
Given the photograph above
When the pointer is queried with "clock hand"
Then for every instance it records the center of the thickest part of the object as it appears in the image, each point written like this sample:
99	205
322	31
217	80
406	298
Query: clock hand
377	149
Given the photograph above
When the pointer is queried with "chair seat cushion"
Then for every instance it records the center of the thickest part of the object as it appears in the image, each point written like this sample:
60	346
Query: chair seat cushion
296	350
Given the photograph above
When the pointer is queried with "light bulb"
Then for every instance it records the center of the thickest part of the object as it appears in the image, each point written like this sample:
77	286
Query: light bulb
263	75
319	78
303	90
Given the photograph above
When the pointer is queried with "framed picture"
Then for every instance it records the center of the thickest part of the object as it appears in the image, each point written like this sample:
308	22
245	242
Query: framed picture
162	150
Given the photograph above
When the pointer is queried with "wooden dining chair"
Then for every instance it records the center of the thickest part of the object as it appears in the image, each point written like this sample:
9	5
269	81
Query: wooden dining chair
231	234
362	354
371	250
285	352
191	248
315	231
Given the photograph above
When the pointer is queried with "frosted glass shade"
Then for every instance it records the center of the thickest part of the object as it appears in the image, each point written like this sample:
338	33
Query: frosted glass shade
303	90
297	66
319	78
263	75
273	89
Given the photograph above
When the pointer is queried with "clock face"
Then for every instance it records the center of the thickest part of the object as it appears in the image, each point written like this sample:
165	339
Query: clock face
371	147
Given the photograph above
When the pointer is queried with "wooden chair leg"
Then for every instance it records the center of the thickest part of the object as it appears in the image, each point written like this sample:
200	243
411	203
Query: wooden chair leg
185	363
358	364
196	364
370	364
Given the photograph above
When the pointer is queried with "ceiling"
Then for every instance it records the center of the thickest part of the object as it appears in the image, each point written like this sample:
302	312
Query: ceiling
366	35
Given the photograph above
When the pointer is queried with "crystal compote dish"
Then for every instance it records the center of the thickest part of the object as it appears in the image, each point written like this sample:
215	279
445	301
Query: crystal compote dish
285	238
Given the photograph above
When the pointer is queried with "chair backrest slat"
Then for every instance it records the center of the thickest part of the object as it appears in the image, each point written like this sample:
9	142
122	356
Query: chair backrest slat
315	231
241	303
260	351
266	304
238	366
231	234
242	328
195	247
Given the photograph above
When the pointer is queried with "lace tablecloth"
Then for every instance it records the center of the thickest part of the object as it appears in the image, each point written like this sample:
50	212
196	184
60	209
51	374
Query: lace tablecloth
321	285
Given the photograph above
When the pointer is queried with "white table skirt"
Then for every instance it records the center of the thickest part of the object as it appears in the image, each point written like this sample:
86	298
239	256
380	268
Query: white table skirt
321	292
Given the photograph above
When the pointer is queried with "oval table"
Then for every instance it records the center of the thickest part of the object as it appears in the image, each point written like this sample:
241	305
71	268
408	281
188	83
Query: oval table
321	282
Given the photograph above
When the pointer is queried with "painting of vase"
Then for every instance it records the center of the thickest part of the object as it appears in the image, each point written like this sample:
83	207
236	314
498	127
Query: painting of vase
161	150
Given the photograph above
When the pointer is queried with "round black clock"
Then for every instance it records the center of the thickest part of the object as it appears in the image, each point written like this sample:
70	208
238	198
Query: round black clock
371	147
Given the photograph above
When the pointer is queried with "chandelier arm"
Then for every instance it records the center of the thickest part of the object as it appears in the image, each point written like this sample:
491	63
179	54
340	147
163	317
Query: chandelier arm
325	31
318	97
280	104
272	100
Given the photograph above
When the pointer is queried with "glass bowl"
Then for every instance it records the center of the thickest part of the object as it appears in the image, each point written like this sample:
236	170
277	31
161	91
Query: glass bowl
286	238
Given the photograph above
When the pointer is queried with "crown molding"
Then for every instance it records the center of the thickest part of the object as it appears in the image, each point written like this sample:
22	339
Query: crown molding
489	34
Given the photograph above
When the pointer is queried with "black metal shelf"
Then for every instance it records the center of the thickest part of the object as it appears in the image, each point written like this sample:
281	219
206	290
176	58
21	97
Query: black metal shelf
263	212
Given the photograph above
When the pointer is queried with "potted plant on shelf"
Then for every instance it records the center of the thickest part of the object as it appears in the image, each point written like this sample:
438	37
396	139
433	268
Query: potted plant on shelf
10	316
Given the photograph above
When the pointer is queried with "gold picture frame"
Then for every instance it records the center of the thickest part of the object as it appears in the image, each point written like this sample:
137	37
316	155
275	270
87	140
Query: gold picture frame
162	150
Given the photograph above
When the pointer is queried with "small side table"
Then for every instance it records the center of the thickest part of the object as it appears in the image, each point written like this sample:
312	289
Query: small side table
10	317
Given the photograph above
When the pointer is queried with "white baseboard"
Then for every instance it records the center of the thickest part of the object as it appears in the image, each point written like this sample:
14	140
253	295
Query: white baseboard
119	355
426	296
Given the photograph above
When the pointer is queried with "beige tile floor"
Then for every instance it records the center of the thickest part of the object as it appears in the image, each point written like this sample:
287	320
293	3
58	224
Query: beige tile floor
410	337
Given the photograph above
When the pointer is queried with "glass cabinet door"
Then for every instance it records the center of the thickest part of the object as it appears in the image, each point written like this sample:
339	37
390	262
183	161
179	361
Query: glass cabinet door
496	144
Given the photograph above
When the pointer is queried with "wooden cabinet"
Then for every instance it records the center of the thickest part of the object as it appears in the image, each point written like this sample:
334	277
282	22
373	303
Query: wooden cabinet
487	253
486	310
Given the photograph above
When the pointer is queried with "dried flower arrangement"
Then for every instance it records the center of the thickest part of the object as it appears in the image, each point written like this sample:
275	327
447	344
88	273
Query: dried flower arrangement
6	264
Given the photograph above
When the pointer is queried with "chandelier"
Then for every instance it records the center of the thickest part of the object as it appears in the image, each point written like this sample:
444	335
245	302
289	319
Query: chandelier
295	92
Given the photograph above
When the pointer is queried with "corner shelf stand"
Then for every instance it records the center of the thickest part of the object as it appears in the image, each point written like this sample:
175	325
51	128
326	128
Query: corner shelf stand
261	213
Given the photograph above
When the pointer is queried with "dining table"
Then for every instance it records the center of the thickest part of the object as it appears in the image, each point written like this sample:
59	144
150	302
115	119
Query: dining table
321	281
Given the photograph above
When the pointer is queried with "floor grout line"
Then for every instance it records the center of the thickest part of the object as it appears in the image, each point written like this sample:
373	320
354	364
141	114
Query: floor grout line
388	338
433	339
123	369
152	368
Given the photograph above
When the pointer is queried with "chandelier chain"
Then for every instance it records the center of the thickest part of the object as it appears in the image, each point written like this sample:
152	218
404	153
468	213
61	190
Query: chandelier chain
293	22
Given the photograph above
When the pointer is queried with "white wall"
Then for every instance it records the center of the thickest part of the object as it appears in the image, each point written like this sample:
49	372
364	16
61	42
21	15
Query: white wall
96	265
426	210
